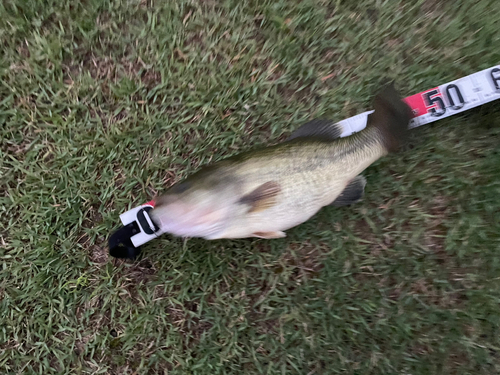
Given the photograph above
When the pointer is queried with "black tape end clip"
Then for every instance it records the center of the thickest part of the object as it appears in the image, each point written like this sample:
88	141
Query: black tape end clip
120	243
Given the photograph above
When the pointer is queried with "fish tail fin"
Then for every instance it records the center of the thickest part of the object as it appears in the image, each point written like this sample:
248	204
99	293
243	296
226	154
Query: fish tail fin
391	118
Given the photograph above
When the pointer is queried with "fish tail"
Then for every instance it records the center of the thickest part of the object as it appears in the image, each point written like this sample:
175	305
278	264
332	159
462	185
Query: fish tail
391	118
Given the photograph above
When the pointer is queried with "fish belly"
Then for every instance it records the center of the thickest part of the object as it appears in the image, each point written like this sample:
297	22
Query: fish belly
301	198
307	185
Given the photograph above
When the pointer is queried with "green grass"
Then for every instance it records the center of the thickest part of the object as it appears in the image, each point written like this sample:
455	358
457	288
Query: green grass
104	104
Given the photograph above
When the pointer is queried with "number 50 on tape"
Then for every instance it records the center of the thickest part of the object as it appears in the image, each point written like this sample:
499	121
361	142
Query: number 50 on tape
442	101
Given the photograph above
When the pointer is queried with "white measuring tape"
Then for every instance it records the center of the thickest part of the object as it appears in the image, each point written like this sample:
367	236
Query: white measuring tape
442	101
428	106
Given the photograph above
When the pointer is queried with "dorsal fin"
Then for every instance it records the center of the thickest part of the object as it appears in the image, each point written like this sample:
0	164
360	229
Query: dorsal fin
262	197
318	128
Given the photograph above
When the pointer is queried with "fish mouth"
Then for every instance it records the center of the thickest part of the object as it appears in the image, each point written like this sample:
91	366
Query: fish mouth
156	219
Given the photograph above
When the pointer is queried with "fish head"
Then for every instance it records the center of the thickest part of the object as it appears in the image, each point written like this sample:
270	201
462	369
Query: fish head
199	206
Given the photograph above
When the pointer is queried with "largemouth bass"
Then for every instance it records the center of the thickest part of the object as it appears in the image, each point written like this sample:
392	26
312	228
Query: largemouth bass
261	193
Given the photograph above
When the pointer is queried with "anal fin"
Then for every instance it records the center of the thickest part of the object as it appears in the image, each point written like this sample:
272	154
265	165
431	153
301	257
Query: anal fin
352	193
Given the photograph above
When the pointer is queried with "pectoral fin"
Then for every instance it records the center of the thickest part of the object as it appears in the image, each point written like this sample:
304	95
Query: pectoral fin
269	235
263	197
318	128
352	193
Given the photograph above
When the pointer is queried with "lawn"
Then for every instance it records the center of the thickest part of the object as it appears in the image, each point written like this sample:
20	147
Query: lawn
104	104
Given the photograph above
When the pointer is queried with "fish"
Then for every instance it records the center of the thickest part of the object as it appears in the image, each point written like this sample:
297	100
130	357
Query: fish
263	192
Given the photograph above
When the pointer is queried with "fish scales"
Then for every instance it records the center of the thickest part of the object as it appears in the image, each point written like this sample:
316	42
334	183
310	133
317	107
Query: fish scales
261	193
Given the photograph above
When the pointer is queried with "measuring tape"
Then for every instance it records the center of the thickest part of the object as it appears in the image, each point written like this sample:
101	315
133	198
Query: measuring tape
442	101
428	106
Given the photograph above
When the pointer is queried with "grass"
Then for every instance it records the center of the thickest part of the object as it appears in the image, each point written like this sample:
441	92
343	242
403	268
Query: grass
103	104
